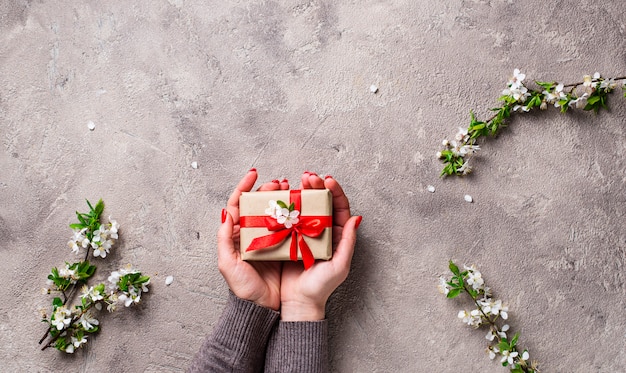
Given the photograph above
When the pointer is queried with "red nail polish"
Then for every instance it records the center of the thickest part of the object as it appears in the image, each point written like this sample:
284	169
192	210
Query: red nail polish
312	173
328	177
306	172
358	222
252	169
275	181
223	215
285	181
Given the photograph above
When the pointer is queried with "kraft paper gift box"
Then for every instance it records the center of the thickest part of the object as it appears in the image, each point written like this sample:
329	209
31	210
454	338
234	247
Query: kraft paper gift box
263	237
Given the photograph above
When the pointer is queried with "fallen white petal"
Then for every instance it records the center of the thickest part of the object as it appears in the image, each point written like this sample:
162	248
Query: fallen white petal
373	89
91	125
169	280
194	164
431	189
468	198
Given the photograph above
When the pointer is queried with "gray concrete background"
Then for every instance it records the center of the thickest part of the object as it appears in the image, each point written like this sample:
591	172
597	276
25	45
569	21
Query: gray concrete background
284	87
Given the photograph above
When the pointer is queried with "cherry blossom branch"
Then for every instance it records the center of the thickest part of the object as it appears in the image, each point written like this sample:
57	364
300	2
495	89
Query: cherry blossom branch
517	98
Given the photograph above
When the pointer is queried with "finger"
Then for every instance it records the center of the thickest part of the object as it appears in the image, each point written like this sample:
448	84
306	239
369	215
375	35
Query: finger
345	249
226	252
305	180
316	182
272	185
341	205
245	185
284	184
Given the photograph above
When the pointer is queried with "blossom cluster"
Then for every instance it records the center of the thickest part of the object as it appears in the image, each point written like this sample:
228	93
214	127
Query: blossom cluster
69	326
100	240
282	213
590	94
487	312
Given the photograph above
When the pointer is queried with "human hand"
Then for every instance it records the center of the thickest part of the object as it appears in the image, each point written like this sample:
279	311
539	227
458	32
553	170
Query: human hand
258	282
303	293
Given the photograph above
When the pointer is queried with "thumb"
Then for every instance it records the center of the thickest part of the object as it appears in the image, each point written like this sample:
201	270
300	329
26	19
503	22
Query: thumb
225	244
345	248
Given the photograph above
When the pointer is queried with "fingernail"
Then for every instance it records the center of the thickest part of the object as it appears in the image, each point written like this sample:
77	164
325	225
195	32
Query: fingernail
252	169
275	181
285	181
306	172
223	215
312	173
328	177
358	222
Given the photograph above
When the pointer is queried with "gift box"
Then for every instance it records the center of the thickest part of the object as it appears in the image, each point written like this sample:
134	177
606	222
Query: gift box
286	225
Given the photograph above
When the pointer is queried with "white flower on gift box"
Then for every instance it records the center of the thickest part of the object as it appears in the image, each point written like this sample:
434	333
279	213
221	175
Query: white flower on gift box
273	210
289	218
282	213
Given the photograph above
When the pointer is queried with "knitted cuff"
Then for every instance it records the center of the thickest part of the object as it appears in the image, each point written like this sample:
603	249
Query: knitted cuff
300	346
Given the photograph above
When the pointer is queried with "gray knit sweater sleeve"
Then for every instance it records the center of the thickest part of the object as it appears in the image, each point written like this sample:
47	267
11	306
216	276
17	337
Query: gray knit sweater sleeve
239	339
300	347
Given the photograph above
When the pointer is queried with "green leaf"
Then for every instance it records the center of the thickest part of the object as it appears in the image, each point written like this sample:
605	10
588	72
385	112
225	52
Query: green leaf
99	208
292	206
56	303
454	268
282	204
453	293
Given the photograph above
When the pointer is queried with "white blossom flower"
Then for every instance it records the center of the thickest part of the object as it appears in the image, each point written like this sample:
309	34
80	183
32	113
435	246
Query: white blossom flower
88	321
493	351
75	343
462	135
471	318
289	218
78	239
62	318
68	273
468	149
465	169
579	102
114	228
509	356
93	294
273	210
130	297
443	286
474	278
493	307
525	356
446	143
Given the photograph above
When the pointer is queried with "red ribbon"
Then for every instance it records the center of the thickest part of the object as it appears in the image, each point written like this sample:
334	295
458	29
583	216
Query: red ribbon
310	226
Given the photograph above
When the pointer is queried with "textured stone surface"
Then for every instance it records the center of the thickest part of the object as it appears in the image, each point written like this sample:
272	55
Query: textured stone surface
285	87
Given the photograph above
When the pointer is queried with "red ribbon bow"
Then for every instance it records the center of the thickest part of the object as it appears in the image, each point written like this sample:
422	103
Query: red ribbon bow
310	226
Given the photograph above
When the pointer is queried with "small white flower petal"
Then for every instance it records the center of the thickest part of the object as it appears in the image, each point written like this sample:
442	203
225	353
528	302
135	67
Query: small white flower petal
194	164
431	188
468	198
169	280
373	88
91	125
